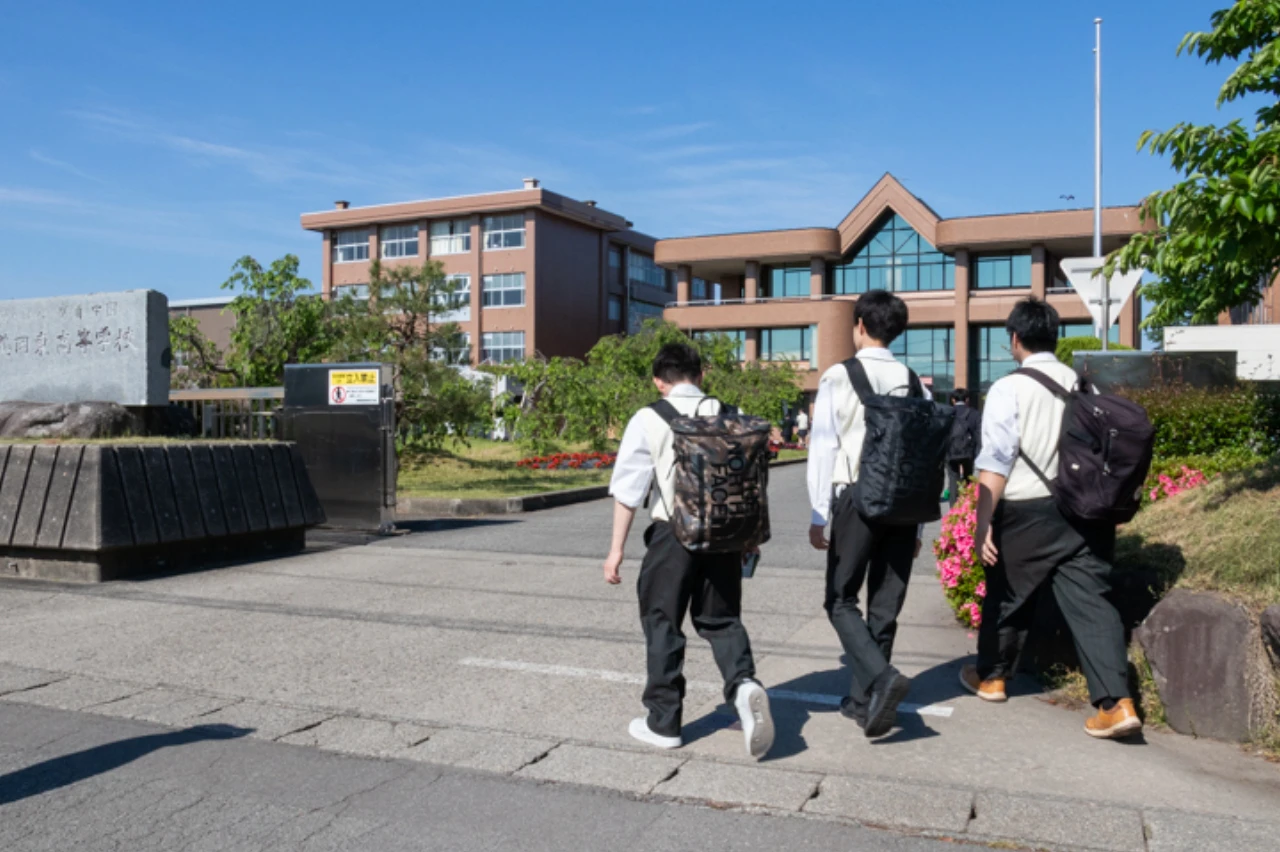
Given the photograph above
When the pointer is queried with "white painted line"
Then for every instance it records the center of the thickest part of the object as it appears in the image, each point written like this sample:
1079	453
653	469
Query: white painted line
820	698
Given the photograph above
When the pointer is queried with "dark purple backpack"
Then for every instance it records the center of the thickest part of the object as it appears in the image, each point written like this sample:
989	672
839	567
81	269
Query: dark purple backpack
1104	453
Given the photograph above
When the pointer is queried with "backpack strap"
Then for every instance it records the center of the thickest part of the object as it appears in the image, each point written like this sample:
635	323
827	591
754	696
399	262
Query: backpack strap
858	377
1047	383
665	410
914	386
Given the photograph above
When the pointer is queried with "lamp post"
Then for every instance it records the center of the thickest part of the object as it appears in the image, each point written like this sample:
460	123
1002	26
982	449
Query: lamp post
1097	177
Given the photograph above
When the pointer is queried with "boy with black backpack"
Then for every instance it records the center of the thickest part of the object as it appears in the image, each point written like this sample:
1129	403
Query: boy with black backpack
708	466
877	448
1041	523
965	443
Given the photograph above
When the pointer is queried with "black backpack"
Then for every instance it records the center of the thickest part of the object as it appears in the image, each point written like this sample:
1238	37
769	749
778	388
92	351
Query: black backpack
1104	453
903	462
720	499
965	435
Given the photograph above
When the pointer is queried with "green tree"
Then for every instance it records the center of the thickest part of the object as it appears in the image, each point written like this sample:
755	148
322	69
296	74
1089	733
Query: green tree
197	362
403	323
278	321
1214	243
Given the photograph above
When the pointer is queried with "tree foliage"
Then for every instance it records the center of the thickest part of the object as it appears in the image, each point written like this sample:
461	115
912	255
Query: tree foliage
1214	242
404	323
278	321
197	362
566	400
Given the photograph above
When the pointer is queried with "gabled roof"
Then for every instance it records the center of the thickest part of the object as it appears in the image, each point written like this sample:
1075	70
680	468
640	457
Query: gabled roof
887	195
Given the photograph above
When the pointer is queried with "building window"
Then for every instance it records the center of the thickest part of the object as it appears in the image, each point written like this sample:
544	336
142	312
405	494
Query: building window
500	347
504	232
399	241
989	357
615	309
641	311
457	351
698	290
739	339
786	282
789	344
359	292
452	236
1001	271
454	303
351	246
504	291
1085	329
644	271
897	258
928	351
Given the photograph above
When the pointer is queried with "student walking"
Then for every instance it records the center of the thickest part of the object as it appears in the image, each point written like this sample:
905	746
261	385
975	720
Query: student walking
862	551
802	427
1029	544
673	579
965	443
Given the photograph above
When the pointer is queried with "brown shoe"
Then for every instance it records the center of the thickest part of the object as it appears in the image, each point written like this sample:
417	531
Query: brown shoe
991	689
1120	721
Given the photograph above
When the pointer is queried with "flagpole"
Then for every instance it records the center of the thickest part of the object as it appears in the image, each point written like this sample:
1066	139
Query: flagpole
1097	177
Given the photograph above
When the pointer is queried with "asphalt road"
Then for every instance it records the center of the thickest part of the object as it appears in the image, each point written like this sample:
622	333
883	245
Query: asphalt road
86	782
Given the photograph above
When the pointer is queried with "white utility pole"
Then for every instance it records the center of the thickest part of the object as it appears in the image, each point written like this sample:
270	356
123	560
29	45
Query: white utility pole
1097	176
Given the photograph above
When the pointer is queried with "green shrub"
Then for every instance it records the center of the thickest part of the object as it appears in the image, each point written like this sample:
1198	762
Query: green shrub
1068	346
1206	422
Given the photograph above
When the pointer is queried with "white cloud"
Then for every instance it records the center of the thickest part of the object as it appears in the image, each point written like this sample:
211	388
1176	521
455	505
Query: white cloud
62	165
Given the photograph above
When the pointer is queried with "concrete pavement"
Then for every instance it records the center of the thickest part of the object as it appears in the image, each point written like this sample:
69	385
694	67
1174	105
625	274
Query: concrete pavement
494	645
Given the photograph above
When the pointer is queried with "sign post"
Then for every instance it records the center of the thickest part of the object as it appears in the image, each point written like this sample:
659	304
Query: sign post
1100	293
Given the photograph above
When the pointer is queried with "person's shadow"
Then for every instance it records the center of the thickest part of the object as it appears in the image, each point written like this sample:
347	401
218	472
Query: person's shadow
70	768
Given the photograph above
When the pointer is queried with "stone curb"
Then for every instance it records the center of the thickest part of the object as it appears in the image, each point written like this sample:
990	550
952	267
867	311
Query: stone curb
410	508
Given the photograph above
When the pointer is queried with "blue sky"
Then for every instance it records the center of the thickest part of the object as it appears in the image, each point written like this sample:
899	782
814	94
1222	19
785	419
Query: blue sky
150	144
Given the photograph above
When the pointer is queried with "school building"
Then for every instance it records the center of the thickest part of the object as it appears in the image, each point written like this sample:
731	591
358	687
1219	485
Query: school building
789	294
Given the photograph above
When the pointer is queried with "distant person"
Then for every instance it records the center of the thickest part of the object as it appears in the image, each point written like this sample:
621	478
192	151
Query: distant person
674	580
861	551
802	427
788	427
965	444
1028	544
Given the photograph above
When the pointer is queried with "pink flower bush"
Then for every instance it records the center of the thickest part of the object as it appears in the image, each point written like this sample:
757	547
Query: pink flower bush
1167	486
959	566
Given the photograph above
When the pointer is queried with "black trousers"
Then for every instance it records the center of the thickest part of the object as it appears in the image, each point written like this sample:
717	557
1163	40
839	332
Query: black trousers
708	586
1041	551
879	555
958	470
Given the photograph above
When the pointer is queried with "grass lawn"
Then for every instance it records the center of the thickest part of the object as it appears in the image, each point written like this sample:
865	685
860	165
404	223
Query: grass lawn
486	469
789	455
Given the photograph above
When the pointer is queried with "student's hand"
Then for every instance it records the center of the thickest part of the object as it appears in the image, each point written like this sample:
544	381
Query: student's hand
612	568
818	537
989	552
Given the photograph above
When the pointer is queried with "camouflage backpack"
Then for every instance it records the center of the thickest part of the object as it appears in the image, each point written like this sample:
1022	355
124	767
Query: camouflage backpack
721	479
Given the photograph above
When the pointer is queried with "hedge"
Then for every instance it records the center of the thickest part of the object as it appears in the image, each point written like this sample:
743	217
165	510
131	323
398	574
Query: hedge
1068	346
1204	422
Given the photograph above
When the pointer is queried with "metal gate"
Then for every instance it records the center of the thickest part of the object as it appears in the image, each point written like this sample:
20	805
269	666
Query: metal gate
342	417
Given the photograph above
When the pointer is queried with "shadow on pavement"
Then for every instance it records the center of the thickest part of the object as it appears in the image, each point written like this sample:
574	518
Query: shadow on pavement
445	524
70	768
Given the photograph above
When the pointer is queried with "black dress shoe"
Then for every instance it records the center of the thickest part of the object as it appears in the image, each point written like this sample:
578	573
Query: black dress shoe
856	712
886	694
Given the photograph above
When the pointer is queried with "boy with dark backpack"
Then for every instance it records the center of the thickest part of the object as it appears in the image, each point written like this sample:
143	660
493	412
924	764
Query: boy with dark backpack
877	448
708	467
1059	468
965	443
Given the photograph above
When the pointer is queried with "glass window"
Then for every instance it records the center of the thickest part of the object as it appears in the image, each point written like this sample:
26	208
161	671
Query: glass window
1085	329
698	290
359	292
643	270
786	282
455	306
641	311
399	241
500	347
504	291
989	358
351	246
894	257
1001	271
504	232
928	351
738	337
615	309
452	236
456	351
789	344
615	257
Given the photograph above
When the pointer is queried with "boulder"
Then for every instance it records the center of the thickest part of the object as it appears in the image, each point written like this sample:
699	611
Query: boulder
1270	620
66	420
1206	656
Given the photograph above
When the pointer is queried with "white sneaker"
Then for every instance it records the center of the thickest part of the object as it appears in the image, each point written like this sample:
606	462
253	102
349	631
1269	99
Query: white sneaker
640	730
752	704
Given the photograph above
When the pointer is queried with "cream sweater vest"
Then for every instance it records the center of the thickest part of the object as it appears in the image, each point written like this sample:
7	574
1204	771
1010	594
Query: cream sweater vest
1039	427
886	376
662	451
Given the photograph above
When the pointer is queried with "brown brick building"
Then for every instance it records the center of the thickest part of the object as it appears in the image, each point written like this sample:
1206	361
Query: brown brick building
536	272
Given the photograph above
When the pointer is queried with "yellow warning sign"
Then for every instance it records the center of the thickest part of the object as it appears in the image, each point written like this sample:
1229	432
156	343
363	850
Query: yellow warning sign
353	387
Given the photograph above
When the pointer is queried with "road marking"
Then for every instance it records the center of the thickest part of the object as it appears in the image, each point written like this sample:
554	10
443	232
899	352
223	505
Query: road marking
820	698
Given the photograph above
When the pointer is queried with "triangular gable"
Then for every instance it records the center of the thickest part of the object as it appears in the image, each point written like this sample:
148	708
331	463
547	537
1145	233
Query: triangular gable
887	195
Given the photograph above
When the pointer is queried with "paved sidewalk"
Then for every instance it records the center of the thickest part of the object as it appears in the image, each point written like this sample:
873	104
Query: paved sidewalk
458	646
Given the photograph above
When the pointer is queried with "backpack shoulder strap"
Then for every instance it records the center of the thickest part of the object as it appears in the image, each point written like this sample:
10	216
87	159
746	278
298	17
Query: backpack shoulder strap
1047	383
915	388
858	377
665	410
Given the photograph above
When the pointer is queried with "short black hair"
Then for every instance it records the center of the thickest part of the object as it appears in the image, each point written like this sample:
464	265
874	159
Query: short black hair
959	395
883	315
1036	324
677	362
